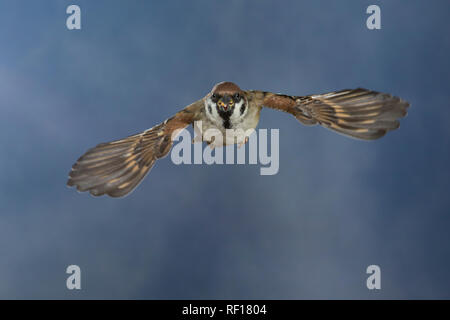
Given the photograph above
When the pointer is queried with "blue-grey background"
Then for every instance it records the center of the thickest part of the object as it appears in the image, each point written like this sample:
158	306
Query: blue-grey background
336	206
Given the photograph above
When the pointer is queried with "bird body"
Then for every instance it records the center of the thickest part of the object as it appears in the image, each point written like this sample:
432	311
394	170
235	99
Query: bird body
230	111
116	168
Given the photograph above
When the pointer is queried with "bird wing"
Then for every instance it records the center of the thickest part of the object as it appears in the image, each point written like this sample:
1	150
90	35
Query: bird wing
359	113
116	168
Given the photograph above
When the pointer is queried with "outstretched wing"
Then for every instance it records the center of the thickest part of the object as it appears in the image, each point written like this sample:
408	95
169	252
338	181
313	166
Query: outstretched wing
116	168
359	113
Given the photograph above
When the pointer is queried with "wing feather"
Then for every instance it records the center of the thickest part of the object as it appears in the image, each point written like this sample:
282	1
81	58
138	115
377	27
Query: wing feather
359	113
115	168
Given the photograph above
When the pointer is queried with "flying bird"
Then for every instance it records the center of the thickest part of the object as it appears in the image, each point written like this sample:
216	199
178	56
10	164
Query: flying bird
116	168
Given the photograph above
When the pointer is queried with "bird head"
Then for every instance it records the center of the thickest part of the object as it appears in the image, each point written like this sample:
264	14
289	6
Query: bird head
225	95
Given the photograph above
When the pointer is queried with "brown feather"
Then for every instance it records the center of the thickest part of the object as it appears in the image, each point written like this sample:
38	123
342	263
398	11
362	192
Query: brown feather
116	168
223	88
359	113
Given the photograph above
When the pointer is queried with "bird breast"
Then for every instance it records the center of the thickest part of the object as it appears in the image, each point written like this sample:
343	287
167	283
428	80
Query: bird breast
239	121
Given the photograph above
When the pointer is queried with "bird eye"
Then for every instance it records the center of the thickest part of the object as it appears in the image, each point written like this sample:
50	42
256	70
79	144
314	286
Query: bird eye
214	97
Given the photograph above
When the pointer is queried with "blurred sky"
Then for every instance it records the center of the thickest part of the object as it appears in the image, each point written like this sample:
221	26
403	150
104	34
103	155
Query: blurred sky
336	206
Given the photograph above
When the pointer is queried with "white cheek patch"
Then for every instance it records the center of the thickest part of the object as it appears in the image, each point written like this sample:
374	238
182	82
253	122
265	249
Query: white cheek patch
211	112
237	116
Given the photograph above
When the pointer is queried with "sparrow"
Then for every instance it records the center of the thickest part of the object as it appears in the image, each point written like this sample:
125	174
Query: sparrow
116	168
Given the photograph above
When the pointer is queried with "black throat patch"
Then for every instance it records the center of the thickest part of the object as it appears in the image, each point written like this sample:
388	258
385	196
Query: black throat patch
225	115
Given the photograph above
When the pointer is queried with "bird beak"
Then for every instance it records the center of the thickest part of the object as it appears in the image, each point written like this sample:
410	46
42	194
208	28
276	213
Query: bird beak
222	105
225	106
